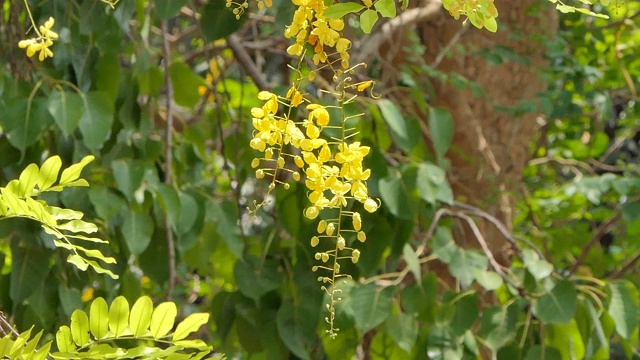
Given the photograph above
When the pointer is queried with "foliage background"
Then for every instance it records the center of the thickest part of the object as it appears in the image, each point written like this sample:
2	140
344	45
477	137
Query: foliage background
574	274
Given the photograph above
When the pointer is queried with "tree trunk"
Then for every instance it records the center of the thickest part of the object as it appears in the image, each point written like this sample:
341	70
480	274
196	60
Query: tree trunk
491	147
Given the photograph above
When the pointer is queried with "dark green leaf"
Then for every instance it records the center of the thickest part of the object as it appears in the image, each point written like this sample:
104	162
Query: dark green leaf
185	84
558	306
168	8
97	117
441	125
137	230
403	329
402	136
29	267
217	21
497	326
394	195
24	123
255	278
66	109
371	305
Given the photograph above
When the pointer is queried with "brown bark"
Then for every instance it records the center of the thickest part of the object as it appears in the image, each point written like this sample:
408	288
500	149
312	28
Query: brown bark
490	148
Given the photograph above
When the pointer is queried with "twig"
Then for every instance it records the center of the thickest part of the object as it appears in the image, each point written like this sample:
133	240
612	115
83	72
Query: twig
6	327
594	239
243	57
630	264
168	175
369	45
436	62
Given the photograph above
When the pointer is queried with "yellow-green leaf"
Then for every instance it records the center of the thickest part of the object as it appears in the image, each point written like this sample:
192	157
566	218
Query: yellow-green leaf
99	318
42	353
28	180
192	323
140	317
119	316
368	18
49	172
73	172
80	327
64	339
162	319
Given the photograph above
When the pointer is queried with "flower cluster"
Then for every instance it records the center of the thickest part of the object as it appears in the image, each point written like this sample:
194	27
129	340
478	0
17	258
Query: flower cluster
42	42
335	178
309	26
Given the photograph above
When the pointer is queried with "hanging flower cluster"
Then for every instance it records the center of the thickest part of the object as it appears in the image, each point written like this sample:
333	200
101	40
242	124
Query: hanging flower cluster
335	178
309	26
42	42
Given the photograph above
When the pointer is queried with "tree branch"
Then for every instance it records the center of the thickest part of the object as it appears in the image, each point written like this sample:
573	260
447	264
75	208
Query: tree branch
369	45
168	175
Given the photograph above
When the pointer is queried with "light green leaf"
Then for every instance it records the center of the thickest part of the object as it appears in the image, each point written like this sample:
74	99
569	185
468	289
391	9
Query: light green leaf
394	195
66	109
43	352
491	24
162	319
49	172
403	329
386	8
624	307
99	318
339	10
97	117
185	83
540	269
565	338
28	180
371	305
64	341
140	317
412	260
192	323
558	306
72	173
464	262
78	226
80	328
367	19
400	131
432	184
119	316
487	279
441	126
137	230
78	261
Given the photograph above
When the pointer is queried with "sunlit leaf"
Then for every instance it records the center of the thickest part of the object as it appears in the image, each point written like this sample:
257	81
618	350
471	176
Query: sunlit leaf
99	318
119	316
162	319
190	324
80	327
140	317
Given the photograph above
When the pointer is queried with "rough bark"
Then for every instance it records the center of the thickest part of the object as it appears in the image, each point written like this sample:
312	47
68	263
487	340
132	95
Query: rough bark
490	147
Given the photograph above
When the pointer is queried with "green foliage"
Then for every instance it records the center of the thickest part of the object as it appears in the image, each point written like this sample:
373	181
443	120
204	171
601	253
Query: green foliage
17	201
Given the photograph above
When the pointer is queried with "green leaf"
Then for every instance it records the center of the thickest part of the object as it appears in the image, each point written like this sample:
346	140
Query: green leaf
538	352
140	317
119	316
441	125
137	230
255	279
185	84
296	331
49	172
487	279
66	109
28	180
540	269
432	184
368	18
72	173
386	8
443	245
128	175
29	267
80	328
339	10
99	318
168	8
624	307
393	192
188	213
107	73
464	262
217	21
400	131
96	120
170	202
557	306
371	305
162	319
225	215
64	341
497	326
412	260
491	24
566	339
403	328
191	324
24	122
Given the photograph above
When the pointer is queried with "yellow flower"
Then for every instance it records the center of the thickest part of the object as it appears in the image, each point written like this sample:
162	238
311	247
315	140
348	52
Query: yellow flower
87	294
42	43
